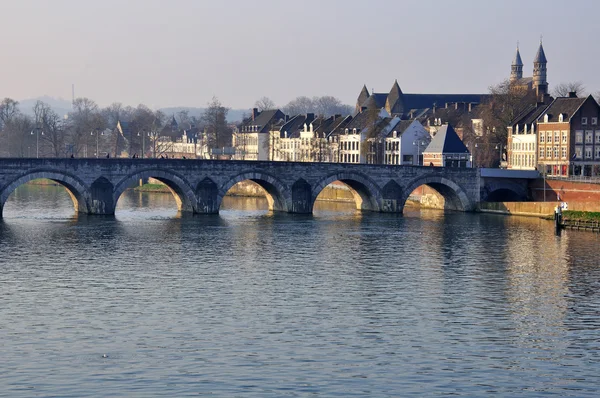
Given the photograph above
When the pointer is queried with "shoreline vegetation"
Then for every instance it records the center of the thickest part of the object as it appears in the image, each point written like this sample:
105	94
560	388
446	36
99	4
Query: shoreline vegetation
338	193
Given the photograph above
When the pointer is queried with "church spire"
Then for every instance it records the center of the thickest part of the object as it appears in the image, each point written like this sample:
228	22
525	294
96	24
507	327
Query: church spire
516	69
540	83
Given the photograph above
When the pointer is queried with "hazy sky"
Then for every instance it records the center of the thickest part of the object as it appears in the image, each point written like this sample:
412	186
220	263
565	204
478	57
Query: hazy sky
182	52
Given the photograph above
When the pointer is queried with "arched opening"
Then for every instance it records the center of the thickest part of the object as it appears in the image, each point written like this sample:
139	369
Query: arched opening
346	192
36	193
255	191
154	190
504	195
436	193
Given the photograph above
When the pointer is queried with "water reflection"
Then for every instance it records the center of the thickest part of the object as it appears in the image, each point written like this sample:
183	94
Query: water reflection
250	302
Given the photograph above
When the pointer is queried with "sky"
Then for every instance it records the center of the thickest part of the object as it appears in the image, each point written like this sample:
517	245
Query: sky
184	52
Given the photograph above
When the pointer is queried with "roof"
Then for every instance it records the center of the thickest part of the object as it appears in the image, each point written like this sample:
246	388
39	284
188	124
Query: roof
400	127
529	115
517	60
540	56
265	118
292	128
421	101
565	105
446	141
394	99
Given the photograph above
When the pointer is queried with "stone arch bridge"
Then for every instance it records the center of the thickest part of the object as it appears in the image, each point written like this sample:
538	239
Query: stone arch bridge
199	186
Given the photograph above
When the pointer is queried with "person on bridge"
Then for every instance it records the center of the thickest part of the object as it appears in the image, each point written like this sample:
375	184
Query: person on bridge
107	155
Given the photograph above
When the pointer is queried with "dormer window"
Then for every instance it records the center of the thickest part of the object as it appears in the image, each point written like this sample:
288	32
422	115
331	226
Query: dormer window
584	120
525	131
517	129
561	118
395	134
546	118
594	121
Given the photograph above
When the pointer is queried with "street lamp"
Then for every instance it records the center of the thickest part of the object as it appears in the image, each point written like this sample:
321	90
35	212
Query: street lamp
37	140
143	135
418	144
97	140
499	147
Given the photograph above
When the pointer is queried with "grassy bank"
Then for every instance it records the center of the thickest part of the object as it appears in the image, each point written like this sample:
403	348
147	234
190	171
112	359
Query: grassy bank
572	215
153	188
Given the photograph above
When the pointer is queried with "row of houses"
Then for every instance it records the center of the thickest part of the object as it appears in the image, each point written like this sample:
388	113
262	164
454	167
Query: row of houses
367	137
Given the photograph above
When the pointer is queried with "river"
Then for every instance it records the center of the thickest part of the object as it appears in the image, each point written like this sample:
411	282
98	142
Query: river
255	304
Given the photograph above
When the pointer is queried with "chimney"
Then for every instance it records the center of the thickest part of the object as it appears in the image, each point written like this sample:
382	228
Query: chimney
470	107
255	113
572	94
456	106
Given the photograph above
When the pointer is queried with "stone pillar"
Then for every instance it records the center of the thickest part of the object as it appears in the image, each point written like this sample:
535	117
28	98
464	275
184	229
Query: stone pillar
207	194
301	198
102	201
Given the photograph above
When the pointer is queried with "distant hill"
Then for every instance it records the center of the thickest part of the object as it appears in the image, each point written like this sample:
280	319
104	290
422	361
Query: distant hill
62	107
59	105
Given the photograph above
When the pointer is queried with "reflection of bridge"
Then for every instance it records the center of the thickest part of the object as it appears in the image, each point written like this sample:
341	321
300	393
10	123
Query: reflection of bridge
199	185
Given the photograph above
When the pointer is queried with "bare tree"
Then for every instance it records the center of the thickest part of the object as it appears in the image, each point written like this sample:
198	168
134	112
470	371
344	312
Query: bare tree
298	106
85	121
564	89
9	108
328	105
264	104
17	138
52	129
218	133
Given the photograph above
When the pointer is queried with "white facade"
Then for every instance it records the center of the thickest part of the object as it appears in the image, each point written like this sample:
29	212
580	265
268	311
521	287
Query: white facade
523	152
405	148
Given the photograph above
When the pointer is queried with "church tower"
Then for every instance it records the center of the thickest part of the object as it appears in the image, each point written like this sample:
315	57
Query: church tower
516	69
539	73
362	98
394	103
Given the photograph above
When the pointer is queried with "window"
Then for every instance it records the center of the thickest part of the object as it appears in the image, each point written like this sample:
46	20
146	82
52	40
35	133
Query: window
563	152
549	137
542	137
588	152
556	137
578	152
597	152
542	153
579	137
555	152
598	137
594	121
564	137
589	137
584	120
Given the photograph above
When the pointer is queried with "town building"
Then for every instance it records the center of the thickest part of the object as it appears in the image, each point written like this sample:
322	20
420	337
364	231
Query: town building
255	138
404	142
568	138
446	150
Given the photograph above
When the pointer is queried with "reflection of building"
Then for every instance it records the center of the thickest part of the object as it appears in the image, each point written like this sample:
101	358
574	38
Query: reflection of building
446	150
569	137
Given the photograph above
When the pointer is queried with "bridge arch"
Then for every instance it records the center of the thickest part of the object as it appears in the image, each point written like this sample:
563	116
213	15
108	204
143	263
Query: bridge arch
75	187
504	191
177	184
454	195
366	193
277	194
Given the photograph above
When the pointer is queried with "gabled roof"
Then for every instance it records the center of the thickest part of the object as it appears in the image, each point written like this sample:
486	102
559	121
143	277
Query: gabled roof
446	141
540	56
529	115
565	105
400	127
293	127
339	126
394	101
517	60
265	119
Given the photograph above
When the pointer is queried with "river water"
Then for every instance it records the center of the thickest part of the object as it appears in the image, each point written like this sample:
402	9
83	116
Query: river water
250	303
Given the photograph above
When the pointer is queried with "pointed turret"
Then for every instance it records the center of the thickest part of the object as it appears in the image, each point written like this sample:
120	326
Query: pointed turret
540	83
362	98
516	69
394	103
540	57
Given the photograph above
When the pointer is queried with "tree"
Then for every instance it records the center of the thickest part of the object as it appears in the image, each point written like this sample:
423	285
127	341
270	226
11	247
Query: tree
264	104
9	108
85	121
564	89
298	106
504	103
17	137
218	133
52	128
